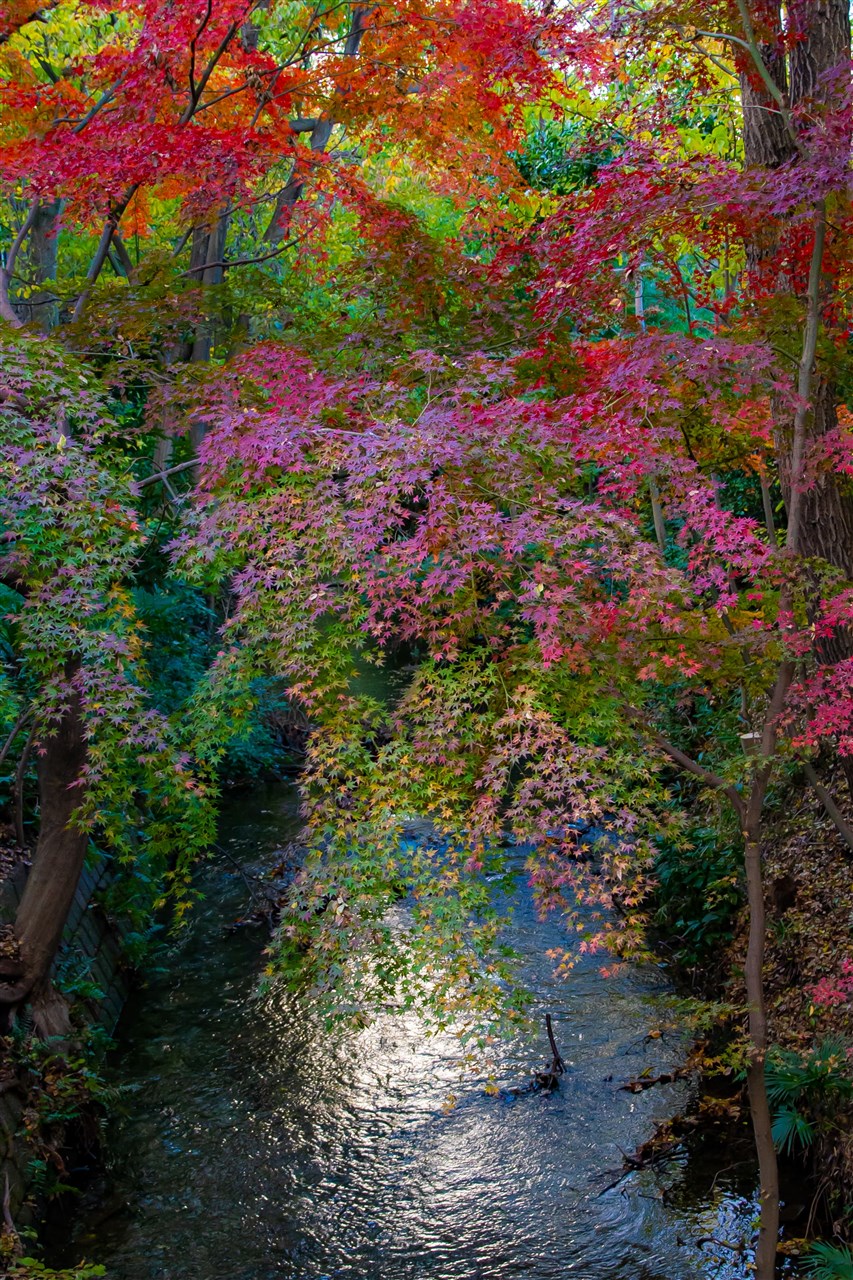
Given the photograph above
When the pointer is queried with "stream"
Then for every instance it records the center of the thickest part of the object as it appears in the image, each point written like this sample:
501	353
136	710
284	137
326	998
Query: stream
252	1144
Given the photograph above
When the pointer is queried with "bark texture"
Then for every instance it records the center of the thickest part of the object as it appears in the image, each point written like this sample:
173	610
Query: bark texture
57	864
42	261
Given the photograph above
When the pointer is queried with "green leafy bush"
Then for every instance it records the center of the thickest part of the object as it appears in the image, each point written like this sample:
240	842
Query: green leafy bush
179	630
804	1090
698	894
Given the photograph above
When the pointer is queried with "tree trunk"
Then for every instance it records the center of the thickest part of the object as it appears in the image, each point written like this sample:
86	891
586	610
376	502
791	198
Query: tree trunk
289	196
42	252
57	863
768	1231
826	506
821	46
208	252
767	142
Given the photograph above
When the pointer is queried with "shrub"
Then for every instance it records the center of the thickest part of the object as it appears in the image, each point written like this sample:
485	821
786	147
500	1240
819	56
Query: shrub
803	1089
698	895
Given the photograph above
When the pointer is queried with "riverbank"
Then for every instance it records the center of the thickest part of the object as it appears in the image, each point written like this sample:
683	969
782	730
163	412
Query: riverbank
49	1090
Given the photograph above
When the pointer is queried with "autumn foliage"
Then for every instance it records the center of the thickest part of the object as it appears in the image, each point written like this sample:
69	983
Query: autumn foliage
503	343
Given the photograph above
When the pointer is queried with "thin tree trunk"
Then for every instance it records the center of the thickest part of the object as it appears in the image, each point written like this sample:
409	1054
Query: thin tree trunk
767	505
209	245
18	790
57	862
768	1230
320	133
657	516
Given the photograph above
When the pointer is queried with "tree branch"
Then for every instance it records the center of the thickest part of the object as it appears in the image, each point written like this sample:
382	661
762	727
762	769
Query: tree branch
194	90
842	826
687	762
243	262
102	252
16	728
197	90
7	311
105	97
169	471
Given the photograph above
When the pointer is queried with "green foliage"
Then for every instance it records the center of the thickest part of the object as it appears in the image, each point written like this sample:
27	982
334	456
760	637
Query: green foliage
62	1088
62	1092
822	1071
72	976
829	1262
805	1090
66	494
258	750
792	1130
32	1269
180	626
698	895
563	156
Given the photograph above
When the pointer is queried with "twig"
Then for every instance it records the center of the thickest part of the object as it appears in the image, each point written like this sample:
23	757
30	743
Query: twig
194	91
244	262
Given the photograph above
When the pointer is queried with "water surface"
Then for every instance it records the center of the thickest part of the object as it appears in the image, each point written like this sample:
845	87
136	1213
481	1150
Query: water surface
255	1145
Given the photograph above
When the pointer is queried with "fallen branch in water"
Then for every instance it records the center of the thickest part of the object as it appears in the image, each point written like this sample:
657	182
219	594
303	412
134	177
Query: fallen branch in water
642	1083
550	1079
545	1081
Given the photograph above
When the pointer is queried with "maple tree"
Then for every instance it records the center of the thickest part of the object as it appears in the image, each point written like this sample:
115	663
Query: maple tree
509	446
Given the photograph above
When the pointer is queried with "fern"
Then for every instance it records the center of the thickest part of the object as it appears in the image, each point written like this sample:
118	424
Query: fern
826	1262
791	1129
790	1076
799	1084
